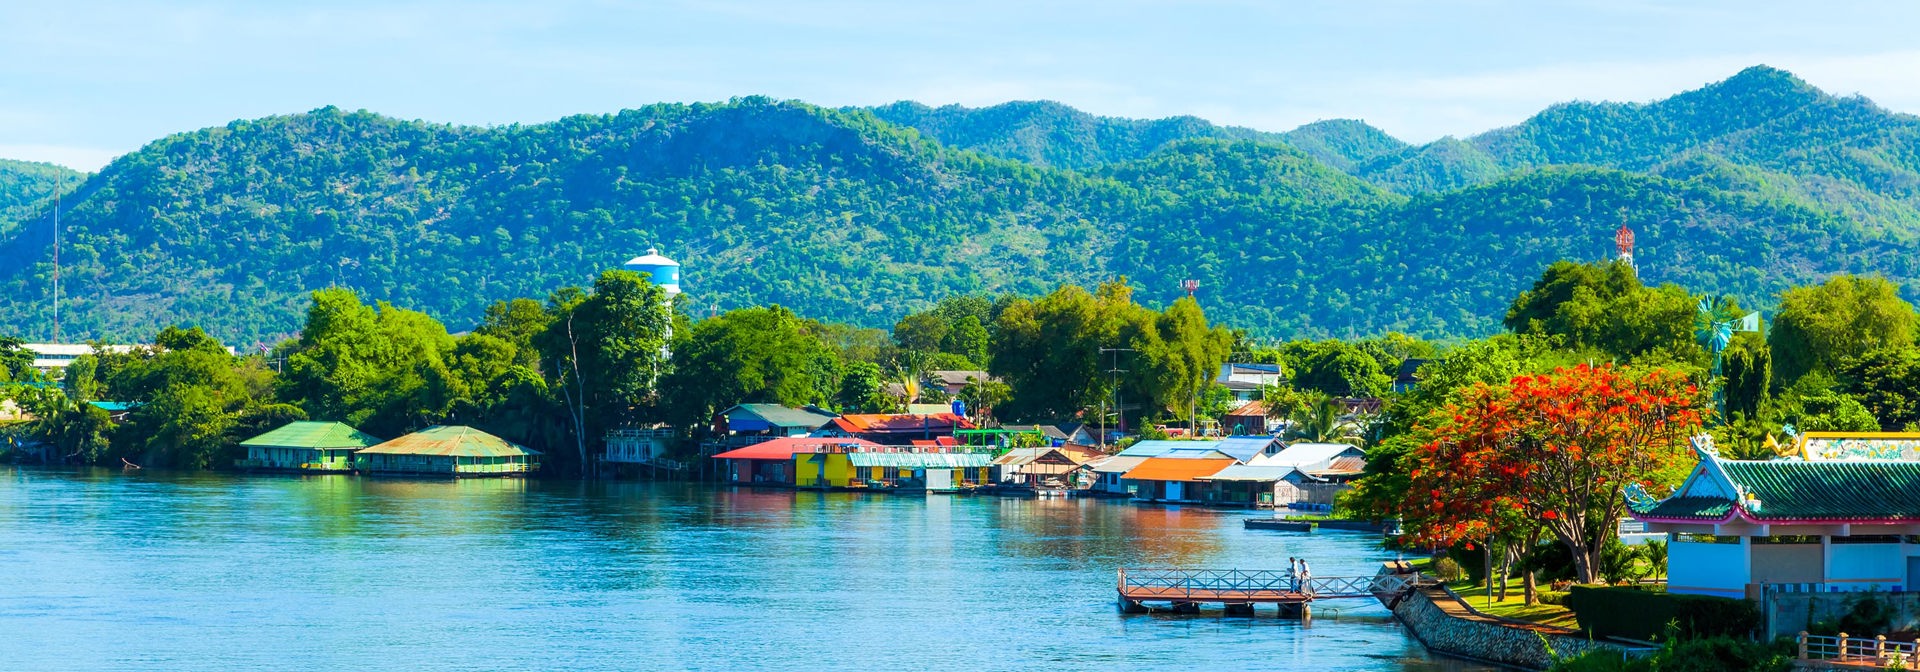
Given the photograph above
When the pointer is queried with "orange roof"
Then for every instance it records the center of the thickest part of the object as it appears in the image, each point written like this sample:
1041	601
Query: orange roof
1252	408
784	448
1176	469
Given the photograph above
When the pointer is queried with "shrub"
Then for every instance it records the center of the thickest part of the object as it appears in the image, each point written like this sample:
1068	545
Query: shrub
1714	654
1633	613
1867	615
1552	597
1448	570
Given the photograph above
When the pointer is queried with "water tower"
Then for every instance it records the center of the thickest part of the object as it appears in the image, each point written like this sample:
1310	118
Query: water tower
665	272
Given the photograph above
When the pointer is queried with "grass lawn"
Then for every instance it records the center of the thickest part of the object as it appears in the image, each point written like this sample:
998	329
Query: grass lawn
1515	606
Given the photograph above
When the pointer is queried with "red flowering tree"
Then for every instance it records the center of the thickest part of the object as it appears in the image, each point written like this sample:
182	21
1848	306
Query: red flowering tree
1555	448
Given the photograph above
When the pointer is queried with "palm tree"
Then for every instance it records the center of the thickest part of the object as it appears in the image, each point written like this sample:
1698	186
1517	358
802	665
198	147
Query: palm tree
1321	420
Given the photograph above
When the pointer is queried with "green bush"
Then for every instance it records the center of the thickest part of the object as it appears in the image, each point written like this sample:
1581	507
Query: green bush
1713	654
1448	570
1867	615
1552	596
1634	613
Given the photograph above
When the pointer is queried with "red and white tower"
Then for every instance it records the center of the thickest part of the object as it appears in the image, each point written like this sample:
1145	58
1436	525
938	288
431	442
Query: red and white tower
1623	241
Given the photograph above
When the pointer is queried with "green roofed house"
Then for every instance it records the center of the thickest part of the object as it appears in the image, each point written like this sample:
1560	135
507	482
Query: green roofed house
1742	528
305	446
449	450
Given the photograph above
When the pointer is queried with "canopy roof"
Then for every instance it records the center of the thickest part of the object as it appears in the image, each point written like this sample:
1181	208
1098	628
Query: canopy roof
1793	491
1248	472
784	448
1306	454
921	460
1176	469
1118	464
1244	448
1158	447
749	417
451	441
313	434
900	423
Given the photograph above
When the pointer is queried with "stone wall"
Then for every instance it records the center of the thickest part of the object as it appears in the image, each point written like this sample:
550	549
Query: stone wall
1787	614
1482	638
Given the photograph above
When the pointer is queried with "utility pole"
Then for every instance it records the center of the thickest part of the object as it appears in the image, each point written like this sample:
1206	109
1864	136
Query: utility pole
1113	383
56	261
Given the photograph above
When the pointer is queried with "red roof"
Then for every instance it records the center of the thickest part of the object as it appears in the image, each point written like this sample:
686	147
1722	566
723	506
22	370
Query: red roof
936	441
872	423
784	448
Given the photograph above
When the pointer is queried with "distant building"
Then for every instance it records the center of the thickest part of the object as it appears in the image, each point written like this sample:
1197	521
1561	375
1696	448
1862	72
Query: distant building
1246	380
55	356
1248	420
895	429
952	382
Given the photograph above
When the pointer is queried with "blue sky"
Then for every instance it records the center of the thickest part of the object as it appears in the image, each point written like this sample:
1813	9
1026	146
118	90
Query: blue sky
82	82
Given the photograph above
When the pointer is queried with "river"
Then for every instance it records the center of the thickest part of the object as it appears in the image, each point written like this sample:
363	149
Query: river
106	570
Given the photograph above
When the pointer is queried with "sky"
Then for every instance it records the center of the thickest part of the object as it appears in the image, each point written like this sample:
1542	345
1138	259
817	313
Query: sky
82	82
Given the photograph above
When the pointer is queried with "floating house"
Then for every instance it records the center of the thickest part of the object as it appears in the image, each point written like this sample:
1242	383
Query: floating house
772	420
932	472
1034	466
306	446
1739	528
1173	478
1109	472
448	450
772	462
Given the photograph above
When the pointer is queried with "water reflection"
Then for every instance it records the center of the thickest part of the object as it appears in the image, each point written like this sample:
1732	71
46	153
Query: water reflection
111	570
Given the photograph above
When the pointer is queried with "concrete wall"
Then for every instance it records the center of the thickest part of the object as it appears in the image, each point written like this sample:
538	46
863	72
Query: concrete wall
1787	614
1708	569
806	470
1482	640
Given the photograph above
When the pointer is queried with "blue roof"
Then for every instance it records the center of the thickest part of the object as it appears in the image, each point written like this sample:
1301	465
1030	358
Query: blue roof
1244	448
115	406
1157	448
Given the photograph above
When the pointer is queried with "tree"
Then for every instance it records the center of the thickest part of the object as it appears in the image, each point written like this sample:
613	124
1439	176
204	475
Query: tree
16	363
921	332
1820	328
1322	421
1049	350
1815	404
1176	356
365	366
1337	368
1747	374
1887	382
766	355
968	338
1559	448
605	352
982	395
1603	306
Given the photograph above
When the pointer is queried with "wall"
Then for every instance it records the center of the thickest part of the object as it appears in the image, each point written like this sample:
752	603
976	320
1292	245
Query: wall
1482	640
1707	569
1787	614
806	470
1788	563
1867	566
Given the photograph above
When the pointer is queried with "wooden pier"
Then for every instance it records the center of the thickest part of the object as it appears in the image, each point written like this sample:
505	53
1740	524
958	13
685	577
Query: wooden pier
1237	590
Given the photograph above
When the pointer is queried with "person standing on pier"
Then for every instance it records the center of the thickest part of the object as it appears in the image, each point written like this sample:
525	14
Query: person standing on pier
1305	575
1293	573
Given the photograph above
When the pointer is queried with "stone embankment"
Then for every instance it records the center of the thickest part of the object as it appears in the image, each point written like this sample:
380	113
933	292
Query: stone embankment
1445	624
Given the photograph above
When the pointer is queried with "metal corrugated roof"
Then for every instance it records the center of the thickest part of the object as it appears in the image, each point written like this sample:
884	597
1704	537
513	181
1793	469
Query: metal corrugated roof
1158	447
921	460
450	440
1175	469
784	448
782	416
1302	454
1118	464
1244	448
313	434
1247	472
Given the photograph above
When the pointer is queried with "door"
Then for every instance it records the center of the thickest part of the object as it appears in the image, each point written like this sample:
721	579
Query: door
1174	489
1913	574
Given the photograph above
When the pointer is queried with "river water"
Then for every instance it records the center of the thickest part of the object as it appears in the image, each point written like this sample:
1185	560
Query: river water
105	570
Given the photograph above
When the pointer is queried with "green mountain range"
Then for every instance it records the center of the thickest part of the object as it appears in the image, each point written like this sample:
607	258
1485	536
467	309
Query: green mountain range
1745	187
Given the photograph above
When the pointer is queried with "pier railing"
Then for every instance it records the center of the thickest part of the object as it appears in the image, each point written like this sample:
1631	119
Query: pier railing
1867	652
1214	585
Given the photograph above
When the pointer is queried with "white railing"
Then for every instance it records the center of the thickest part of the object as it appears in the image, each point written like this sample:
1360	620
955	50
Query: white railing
1871	651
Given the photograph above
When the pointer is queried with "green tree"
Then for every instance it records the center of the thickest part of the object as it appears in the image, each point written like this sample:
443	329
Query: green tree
1603	306
16	363
1337	368
1177	355
921	332
1820	328
1747	374
1815	404
1049	350
968	338
1887	382
365	366
605	351
863	389
766	355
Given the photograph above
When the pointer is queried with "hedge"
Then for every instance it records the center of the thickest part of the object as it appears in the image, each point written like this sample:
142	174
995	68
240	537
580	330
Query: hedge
1636	613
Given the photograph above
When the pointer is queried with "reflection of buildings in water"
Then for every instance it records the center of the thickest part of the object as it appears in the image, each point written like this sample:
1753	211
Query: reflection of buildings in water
1091	529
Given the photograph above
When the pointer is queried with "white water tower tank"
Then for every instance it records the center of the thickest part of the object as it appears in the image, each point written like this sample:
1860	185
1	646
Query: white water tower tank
665	272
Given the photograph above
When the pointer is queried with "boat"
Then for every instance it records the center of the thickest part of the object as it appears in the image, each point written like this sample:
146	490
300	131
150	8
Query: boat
1279	524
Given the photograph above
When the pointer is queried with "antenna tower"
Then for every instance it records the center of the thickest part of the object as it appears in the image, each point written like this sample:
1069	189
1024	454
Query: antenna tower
1623	242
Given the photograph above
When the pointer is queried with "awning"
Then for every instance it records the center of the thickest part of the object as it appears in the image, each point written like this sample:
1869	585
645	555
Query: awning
1177	469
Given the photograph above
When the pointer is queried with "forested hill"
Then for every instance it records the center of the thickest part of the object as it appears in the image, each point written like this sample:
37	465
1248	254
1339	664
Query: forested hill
842	215
26	190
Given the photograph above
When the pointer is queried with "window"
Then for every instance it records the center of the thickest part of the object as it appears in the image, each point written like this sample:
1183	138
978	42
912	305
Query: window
1787	539
1686	538
1867	539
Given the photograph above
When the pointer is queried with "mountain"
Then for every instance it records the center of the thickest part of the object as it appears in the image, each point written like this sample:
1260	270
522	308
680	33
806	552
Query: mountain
26	190
1762	131
1046	133
843	215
